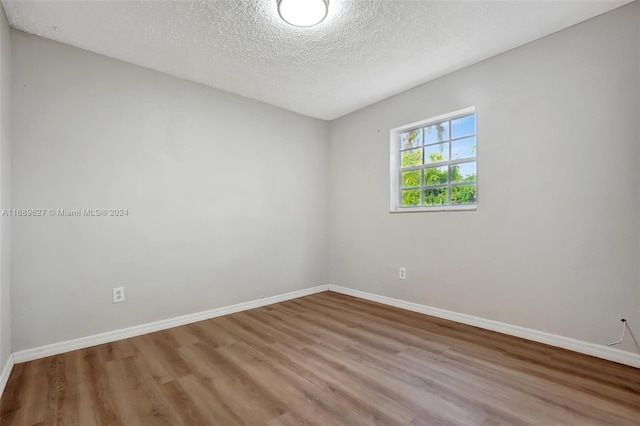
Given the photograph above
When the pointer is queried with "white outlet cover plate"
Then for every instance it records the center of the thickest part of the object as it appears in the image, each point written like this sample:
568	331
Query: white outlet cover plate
118	295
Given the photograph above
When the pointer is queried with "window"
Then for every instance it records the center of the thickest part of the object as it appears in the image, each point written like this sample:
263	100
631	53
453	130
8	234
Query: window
433	164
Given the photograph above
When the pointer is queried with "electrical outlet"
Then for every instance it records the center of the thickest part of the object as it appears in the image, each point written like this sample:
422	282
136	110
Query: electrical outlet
403	273
118	295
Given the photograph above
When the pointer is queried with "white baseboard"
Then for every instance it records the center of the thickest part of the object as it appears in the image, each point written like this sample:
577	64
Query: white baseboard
112	336
592	349
600	351
6	372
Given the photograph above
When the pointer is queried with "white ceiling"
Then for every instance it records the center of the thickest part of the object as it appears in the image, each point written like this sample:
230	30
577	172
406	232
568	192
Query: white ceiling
365	51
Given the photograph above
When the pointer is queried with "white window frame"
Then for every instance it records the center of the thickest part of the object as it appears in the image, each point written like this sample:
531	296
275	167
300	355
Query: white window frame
395	190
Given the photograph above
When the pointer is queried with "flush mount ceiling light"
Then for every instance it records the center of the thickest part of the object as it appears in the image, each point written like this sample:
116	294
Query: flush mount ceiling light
303	13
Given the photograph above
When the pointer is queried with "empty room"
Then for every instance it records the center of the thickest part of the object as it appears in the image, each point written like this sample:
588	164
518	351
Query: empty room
319	212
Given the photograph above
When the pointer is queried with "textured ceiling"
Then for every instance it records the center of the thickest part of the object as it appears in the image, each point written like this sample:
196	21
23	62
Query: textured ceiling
365	51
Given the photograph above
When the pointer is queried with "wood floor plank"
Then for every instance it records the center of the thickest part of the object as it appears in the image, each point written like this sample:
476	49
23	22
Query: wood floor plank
35	403
326	359
11	403
138	395
300	398
232	387
97	382
183	404
383	410
425	402
210	402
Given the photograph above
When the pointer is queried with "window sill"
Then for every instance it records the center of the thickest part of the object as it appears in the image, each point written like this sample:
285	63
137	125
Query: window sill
470	207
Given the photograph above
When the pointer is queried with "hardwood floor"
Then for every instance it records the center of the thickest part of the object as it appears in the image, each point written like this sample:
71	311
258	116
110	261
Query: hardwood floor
326	359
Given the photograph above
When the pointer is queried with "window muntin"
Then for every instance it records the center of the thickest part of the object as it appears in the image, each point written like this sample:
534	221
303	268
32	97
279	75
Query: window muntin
435	164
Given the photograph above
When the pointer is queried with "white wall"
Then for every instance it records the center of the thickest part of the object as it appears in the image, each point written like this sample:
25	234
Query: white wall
227	196
553	245
5	176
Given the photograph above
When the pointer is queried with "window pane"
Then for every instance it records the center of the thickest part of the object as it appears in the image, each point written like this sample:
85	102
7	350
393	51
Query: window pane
436	176
411	158
463	148
412	179
411	139
436	153
465	172
411	198
435	196
463	194
465	126
436	133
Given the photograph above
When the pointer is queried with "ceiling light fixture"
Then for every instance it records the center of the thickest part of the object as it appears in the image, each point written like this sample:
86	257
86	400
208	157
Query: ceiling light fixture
303	13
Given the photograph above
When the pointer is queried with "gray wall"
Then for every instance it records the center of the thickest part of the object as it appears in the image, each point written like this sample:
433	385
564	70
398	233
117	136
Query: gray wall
553	245
5	176
227	196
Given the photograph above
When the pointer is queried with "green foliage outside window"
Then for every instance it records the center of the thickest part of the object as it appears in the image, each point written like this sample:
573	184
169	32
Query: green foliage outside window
435	196
463	194
432	185
411	158
411	179
411	198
